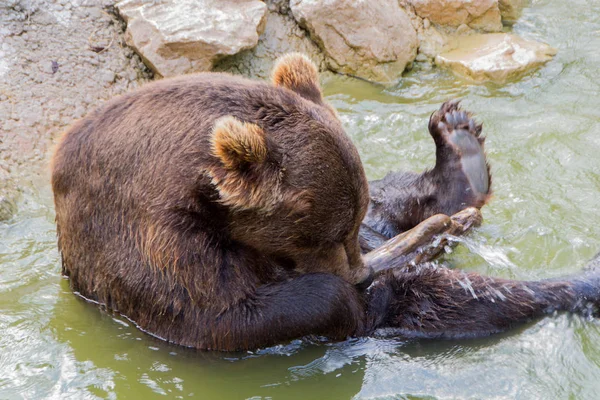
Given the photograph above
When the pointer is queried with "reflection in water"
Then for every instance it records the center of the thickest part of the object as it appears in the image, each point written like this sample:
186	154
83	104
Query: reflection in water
543	141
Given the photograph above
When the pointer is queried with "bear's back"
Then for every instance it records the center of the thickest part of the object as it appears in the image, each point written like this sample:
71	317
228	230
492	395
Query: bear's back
132	176
137	136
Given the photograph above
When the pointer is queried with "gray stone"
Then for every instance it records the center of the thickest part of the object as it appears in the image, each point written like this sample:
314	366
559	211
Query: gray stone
373	40
477	14
7	208
495	57
106	76
282	35
183	36
431	39
46	67
431	42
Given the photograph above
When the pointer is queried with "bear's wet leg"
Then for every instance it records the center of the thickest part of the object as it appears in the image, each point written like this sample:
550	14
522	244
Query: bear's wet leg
436	302
460	178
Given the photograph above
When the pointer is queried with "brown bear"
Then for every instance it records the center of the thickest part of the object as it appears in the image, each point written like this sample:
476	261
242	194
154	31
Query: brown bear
215	211
222	213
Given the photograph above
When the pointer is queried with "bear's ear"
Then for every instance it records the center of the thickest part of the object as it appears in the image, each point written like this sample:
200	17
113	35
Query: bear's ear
298	73
245	174
235	143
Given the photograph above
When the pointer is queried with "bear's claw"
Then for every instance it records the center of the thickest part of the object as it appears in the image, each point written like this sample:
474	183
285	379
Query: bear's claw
451	118
460	144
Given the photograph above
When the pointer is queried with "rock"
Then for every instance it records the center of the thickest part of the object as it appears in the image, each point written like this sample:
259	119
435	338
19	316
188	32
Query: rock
279	6
32	115
106	76
464	29
373	40
431	42
178	37
477	14
282	35
511	10
494	57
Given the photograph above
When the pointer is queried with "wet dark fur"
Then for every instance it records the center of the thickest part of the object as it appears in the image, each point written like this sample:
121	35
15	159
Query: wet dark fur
243	243
403	199
430	301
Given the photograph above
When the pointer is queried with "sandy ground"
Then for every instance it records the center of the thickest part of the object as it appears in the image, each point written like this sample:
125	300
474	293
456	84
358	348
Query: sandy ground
58	60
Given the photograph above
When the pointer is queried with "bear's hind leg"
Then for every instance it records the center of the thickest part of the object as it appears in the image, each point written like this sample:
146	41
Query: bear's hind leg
460	179
436	302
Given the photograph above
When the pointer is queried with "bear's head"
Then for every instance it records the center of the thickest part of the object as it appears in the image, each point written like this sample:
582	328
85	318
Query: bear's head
293	181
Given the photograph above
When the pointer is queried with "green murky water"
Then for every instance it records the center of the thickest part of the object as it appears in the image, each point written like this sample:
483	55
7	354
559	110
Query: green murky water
544	145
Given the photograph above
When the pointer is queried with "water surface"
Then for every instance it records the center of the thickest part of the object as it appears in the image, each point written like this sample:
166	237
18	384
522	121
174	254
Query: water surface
544	145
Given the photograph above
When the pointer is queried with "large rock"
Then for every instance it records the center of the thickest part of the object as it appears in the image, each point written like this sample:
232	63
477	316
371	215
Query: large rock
494	57
431	40
180	36
282	35
373	40
477	14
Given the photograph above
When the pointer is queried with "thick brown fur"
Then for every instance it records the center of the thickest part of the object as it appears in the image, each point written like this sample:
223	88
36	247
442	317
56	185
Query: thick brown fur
216	212
296	72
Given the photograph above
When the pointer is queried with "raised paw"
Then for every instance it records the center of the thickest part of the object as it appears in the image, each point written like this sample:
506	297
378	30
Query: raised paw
450	126
460	146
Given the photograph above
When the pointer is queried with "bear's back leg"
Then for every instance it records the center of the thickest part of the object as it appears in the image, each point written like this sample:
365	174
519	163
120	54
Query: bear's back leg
461	177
